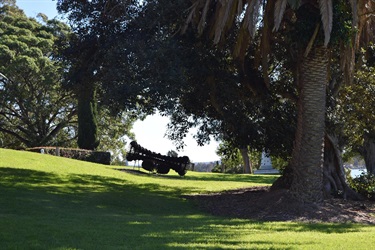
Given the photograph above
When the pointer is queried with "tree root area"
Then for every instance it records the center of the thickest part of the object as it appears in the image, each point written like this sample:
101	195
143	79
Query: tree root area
261	203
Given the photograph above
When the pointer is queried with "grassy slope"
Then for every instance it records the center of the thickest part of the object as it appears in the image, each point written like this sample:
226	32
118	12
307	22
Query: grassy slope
50	202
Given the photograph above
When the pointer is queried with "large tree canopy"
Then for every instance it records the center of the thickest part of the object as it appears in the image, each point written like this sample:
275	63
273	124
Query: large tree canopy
34	109
313	30
101	69
197	84
355	113
146	56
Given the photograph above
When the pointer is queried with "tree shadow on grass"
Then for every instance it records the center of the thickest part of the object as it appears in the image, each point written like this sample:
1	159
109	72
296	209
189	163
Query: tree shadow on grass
261	179
46	211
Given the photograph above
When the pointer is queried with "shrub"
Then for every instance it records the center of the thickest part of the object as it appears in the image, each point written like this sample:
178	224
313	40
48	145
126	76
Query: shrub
364	184
78	154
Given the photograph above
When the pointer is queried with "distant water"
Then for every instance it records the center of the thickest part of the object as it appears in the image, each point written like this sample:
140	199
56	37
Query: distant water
357	172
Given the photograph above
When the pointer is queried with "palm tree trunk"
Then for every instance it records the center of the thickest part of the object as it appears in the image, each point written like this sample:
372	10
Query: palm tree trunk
307	158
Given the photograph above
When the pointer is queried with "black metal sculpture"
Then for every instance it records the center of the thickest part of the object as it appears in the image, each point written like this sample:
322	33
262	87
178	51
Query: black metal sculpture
156	162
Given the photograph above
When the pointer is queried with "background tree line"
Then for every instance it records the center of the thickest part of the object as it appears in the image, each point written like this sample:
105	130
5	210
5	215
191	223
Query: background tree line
37	105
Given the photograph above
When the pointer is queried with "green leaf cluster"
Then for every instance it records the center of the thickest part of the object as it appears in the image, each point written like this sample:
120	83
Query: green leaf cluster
355	108
364	184
34	109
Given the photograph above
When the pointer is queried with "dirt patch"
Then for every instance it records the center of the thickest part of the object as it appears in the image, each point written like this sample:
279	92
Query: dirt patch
261	203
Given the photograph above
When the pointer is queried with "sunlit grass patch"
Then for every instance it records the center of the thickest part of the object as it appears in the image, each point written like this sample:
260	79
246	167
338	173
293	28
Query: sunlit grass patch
49	202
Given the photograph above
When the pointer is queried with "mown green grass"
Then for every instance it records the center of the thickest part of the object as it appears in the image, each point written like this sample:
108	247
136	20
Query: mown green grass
49	202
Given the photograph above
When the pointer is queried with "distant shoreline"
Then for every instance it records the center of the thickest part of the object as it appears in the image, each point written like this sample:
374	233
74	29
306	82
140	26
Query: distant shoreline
356	168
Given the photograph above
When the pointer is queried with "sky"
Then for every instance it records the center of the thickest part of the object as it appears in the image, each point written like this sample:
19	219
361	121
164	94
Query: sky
150	132
33	7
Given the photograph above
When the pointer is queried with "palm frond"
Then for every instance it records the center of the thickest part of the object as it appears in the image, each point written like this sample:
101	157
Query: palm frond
327	16
242	43
294	4
251	16
353	4
202	22
265	46
239	7
312	40
192	10
223	10
280	6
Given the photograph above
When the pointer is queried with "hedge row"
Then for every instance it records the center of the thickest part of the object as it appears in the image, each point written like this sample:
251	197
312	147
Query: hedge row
78	154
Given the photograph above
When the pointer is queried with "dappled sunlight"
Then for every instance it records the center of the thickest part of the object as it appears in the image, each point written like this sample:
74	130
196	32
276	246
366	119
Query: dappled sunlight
197	183
203	176
54	183
101	208
211	233
250	178
139	223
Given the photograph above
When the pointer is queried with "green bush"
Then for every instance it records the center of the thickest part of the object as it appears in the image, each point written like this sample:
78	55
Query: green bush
228	169
78	154
364	184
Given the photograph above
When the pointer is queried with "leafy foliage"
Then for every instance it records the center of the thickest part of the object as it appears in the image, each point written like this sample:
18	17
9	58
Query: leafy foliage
77	154
87	123
232	161
142	62
101	71
34	109
203	86
364	184
114	132
101	51
354	112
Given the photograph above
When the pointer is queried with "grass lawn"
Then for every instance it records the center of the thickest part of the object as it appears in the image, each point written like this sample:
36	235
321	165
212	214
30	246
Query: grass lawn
49	202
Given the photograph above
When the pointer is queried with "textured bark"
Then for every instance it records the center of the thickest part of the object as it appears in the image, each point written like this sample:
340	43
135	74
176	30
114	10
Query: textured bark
334	180
246	160
369	153
334	175
285	180
307	156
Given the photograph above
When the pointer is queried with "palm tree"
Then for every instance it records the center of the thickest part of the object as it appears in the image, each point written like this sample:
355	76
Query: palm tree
316	17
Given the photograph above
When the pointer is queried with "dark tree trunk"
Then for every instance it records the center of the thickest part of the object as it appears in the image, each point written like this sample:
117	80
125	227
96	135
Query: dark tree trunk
87	123
307	156
369	153
334	180
334	175
246	160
